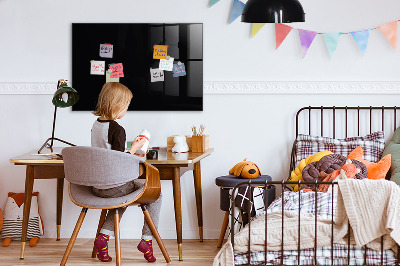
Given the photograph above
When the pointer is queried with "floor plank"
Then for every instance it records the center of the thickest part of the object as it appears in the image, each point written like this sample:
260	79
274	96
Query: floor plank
49	252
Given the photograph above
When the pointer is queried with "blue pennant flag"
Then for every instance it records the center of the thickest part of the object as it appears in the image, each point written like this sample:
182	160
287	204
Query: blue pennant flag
213	2
237	9
361	38
332	41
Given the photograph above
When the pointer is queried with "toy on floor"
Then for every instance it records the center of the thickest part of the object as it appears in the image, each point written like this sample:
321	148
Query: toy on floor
245	169
13	215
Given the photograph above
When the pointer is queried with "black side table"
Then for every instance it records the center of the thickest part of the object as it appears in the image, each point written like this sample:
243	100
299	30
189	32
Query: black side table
226	183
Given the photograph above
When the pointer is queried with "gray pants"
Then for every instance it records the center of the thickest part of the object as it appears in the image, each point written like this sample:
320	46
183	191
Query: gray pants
154	208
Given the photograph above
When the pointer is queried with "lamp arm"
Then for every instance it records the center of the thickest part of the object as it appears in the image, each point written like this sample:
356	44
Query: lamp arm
54	126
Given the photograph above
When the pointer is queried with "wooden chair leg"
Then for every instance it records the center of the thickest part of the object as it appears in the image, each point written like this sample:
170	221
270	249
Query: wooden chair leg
117	238
101	222
73	237
223	229
154	230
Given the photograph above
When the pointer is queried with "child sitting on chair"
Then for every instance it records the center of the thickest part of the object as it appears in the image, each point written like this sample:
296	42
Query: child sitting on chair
112	104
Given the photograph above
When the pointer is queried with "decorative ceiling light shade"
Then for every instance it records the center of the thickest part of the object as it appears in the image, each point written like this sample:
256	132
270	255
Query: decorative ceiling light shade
273	11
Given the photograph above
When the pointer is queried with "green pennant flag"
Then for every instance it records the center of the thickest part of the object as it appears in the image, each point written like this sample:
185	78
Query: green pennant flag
213	2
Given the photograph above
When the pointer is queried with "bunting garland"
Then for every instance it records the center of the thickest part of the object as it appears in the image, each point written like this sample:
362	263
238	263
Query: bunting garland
237	9
361	37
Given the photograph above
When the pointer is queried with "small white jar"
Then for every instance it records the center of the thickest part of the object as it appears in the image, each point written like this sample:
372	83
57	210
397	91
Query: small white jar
144	134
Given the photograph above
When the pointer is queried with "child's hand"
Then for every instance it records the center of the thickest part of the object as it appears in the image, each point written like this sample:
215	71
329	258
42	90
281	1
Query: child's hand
143	155
137	144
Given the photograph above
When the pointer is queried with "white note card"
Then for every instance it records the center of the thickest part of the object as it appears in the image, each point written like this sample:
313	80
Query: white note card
156	75
97	67
167	64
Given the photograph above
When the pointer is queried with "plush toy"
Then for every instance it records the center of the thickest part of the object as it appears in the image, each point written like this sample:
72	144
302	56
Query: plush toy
375	170
348	170
13	215
180	144
245	169
1	219
296	174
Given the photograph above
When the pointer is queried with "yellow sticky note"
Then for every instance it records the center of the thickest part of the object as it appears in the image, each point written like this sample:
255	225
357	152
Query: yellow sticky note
160	51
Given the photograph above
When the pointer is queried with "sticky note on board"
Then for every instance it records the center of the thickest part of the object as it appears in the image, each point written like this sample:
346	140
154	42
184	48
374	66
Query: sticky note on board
110	79
116	70
167	64
97	67
106	50
156	75
179	70
160	51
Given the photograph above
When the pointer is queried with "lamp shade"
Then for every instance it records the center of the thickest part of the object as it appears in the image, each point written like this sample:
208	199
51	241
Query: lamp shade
273	11
65	96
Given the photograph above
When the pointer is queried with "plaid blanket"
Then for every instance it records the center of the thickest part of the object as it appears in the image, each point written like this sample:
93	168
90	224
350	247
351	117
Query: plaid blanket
322	204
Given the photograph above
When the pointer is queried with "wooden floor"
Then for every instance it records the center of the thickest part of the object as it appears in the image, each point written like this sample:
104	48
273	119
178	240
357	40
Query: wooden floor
50	252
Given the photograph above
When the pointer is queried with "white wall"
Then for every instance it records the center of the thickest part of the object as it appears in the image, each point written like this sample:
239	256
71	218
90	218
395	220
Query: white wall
36	47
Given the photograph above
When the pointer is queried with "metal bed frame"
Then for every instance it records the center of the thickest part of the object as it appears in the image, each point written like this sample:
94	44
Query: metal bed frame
283	184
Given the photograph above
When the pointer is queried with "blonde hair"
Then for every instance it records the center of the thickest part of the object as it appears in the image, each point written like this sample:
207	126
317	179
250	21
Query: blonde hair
113	97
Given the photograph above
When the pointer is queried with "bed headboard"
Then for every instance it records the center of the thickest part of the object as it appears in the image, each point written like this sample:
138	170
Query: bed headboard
344	121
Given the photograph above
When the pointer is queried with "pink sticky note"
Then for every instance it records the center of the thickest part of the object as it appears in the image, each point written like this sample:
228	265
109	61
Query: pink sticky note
116	70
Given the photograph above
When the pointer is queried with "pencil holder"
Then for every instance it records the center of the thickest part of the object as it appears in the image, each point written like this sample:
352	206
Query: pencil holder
200	143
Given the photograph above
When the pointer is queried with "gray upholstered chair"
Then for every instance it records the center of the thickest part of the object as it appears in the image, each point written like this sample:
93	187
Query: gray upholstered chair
85	167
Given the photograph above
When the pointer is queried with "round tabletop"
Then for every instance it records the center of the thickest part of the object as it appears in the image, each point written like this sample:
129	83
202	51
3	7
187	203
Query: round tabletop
230	181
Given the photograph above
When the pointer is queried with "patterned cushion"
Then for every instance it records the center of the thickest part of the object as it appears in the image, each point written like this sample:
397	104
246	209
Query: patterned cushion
372	144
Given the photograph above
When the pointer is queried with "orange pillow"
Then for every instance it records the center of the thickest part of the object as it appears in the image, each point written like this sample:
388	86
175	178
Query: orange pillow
375	170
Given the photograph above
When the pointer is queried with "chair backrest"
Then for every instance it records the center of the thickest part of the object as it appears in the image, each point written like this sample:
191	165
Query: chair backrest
91	166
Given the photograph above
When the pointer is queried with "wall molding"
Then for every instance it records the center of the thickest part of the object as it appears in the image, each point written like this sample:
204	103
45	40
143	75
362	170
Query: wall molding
246	87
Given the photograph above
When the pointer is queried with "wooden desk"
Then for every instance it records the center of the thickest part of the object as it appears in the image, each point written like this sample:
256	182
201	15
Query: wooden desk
171	167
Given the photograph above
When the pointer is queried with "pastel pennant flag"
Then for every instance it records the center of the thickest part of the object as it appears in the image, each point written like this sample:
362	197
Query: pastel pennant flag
237	9
281	31
389	30
361	37
332	41
306	39
256	27
213	2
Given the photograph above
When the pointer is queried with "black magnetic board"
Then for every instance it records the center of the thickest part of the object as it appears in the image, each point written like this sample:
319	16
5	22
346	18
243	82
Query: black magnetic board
133	47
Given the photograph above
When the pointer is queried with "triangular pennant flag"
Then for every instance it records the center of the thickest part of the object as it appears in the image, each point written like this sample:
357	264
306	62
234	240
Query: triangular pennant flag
256	28
281	31
237	9
390	32
332	41
306	39
361	37
213	2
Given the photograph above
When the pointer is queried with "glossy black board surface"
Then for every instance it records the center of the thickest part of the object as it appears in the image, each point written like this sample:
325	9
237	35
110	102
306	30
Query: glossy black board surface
133	47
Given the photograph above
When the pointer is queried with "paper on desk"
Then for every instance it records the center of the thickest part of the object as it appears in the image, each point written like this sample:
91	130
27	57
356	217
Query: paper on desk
97	67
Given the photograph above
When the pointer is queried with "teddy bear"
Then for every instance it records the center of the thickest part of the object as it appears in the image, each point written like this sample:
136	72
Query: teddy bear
13	215
245	169
180	144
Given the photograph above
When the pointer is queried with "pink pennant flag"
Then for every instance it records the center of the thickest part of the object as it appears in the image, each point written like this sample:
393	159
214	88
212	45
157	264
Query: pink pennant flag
281	31
306	39
389	30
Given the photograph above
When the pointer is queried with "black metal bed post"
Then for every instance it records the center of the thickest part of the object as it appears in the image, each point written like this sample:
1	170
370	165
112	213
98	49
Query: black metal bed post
298	239
315	223
333	192
266	220
283	211
249	220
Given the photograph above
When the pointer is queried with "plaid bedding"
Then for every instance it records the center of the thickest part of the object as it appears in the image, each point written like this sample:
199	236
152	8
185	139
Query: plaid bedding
322	207
372	145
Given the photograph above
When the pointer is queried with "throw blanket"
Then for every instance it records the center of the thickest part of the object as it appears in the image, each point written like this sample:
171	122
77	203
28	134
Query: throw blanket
371	206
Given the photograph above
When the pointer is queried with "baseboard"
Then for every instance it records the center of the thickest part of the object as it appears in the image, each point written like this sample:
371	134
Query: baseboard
246	87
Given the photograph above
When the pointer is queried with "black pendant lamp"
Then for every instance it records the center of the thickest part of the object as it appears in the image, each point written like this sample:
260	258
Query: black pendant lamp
273	11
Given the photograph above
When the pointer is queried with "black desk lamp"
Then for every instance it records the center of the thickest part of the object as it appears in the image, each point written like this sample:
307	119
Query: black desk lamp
273	11
65	96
